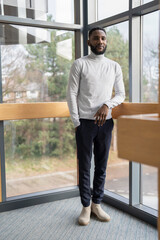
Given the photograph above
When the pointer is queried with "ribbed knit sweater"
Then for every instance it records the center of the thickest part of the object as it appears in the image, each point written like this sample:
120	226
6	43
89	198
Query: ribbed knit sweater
91	82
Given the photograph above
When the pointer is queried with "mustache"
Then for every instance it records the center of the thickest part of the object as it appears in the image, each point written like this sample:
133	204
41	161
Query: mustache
100	45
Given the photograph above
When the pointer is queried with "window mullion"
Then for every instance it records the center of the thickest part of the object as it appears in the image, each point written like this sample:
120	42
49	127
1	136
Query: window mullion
134	86
2	152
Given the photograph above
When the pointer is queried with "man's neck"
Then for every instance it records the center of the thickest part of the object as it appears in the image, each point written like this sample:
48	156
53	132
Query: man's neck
96	57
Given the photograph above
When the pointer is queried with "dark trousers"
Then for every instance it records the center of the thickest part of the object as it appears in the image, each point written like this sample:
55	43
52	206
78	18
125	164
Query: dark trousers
89	134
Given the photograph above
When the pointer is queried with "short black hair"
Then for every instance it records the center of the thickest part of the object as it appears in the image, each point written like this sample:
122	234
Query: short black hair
96	28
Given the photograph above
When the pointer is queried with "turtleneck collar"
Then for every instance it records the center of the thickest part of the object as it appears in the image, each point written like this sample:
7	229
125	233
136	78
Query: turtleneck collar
96	57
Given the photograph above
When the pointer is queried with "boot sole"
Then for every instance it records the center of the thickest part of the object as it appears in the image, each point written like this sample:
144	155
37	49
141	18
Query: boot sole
99	218
83	224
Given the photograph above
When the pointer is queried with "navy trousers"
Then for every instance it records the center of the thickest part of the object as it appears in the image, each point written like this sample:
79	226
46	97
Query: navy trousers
89	134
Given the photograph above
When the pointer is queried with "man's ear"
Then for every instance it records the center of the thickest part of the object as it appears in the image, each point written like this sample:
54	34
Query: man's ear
88	42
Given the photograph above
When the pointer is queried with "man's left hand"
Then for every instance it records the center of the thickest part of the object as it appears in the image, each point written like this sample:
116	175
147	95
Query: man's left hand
101	115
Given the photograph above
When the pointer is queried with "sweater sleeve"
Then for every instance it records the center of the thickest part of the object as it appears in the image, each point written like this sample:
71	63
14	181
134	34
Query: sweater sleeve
72	92
119	89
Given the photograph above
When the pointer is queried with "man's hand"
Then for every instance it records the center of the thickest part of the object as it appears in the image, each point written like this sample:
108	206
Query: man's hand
101	115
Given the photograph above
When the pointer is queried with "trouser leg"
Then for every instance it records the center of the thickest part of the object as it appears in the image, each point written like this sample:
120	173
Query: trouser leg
101	151
84	139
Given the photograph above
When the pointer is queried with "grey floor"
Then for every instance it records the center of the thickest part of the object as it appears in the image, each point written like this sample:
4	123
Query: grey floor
58	221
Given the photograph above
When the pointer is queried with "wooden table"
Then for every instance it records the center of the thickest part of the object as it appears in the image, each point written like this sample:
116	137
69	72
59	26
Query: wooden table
139	141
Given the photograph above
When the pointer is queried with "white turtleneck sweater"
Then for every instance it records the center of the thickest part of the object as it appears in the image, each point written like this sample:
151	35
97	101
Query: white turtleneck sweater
91	82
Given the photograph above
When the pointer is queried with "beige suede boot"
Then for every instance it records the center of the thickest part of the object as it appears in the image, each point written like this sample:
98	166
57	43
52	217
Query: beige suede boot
99	212
84	217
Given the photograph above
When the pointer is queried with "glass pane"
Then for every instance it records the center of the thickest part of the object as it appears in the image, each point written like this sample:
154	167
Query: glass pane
108	8
150	186
40	155
46	10
92	11
118	50
35	63
150	57
150	94
117	179
136	3
146	1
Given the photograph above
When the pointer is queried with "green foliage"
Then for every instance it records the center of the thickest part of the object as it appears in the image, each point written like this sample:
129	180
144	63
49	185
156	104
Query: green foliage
150	74
69	143
34	138
43	57
117	50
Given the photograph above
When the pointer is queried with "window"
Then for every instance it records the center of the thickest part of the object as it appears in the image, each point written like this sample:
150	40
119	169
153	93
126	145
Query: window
117	179
36	61
150	58
150	78
3	80
32	94
7	95
46	10
40	154
18	94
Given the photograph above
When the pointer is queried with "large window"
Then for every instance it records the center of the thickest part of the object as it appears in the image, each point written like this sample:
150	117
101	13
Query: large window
117	179
150	94
46	10
138	46
41	153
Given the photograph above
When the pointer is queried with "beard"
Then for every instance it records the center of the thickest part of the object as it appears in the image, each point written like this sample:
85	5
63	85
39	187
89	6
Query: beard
94	50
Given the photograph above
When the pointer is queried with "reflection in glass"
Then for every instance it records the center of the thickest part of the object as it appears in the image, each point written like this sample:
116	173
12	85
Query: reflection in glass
108	8
40	155
46	10
117	179
35	63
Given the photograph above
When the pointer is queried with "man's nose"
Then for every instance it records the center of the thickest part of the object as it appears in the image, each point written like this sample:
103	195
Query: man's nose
100	40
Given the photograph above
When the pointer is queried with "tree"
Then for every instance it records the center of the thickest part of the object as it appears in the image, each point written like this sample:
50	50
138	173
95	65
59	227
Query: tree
117	50
150	72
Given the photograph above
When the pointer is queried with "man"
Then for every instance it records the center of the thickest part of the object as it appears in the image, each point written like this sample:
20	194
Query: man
90	102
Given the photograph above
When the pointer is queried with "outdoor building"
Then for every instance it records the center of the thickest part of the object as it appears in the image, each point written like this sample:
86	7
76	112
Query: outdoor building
39	41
